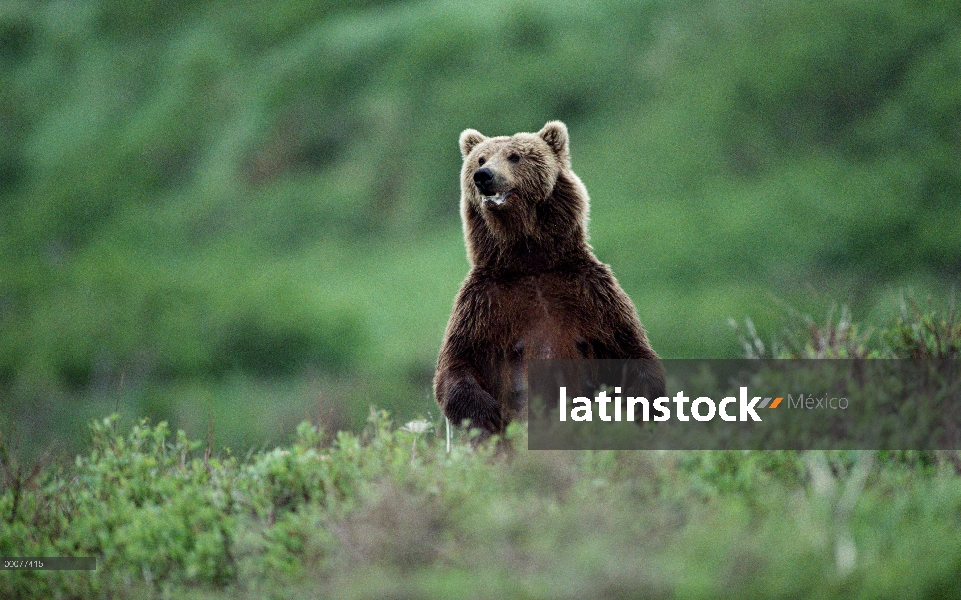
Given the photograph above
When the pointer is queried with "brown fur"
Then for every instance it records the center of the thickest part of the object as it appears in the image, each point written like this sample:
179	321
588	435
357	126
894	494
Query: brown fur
535	288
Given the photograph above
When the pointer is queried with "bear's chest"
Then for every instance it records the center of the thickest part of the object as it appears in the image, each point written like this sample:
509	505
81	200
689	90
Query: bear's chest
544	315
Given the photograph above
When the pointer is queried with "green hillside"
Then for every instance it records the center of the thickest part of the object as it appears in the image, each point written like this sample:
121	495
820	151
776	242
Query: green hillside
237	215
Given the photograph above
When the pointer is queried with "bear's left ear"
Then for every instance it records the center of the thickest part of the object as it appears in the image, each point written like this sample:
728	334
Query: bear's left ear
468	139
555	134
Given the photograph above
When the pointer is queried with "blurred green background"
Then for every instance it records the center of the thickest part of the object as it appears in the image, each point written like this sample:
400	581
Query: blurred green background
238	215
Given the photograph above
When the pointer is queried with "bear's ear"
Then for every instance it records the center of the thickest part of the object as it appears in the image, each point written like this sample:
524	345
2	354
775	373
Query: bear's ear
555	134
468	139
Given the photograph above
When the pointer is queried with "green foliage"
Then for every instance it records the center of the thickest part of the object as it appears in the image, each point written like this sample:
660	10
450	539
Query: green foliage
389	512
833	339
926	333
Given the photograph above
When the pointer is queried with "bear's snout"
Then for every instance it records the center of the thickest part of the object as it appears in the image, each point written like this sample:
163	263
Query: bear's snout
484	180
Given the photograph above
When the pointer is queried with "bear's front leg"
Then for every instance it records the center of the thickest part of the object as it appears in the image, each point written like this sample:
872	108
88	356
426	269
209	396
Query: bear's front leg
469	364
463	399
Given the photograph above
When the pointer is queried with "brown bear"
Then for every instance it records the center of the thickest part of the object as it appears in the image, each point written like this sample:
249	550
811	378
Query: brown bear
535	288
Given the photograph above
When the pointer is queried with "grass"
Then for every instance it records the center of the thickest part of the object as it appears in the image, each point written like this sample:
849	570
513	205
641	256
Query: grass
388	512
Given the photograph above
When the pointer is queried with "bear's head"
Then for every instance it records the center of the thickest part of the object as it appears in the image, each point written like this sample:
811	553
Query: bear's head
520	189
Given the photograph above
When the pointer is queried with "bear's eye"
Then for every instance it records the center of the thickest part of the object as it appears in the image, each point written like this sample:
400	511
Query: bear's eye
481	161
514	157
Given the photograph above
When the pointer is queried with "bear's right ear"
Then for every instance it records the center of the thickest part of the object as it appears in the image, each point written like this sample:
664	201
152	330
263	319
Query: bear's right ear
468	139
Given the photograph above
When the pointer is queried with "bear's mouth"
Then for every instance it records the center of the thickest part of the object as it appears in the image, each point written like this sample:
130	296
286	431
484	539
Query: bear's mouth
497	200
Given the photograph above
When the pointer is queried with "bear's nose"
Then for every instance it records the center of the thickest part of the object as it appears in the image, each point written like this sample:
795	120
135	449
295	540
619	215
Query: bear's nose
483	178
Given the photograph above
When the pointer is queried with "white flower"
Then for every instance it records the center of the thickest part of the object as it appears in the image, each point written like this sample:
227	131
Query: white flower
416	426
